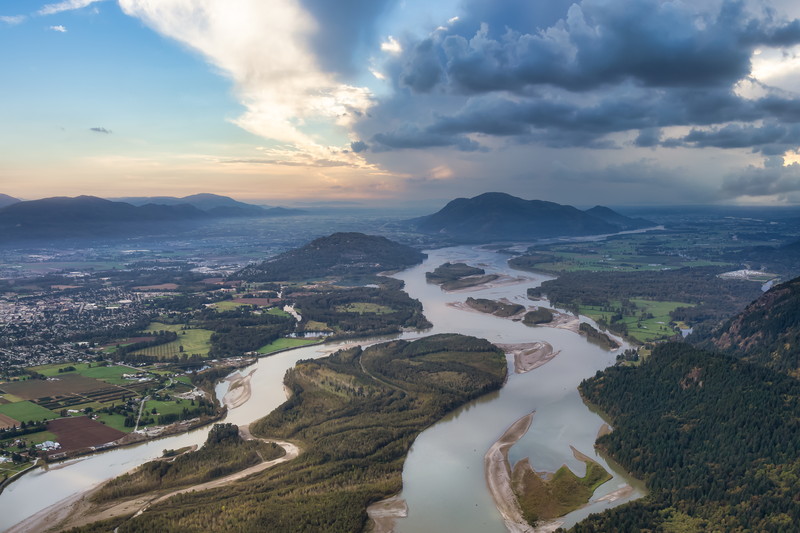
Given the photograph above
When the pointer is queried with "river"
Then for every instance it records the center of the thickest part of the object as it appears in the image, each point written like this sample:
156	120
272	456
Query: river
443	477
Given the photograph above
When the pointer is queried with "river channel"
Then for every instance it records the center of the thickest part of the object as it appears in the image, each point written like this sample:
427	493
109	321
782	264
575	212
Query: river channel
443	477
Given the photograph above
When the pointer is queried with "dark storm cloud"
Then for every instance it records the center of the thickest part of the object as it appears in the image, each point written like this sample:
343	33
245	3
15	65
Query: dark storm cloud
743	136
657	44
344	29
648	137
569	74
358	146
411	137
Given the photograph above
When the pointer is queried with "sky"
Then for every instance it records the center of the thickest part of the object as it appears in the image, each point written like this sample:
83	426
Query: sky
403	102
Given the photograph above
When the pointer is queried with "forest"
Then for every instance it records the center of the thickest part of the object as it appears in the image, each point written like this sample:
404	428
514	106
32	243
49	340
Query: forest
223	453
355	414
714	437
333	309
714	299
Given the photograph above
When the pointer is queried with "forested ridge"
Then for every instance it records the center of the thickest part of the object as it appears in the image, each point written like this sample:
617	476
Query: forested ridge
355	415
715	438
767	332
339	254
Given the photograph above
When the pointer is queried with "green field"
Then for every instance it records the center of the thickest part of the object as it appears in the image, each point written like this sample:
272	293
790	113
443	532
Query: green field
110	374
643	330
364	307
26	411
227	305
277	312
194	341
115	421
283	344
166	407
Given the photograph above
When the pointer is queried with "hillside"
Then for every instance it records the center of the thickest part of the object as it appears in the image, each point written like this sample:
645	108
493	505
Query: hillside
7	200
498	216
87	216
337	255
715	439
612	217
767	332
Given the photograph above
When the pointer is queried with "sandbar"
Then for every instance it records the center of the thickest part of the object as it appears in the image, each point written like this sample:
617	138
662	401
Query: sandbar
498	476
529	355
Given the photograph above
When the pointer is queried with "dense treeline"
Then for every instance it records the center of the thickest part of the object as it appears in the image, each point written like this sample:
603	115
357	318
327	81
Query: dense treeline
494	307
715	438
340	254
714	299
538	316
328	307
355	428
597	337
224	452
767	332
451	272
239	330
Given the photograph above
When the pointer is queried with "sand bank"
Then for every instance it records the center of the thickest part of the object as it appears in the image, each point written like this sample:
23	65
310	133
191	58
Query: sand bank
239	390
529	355
384	513
498	476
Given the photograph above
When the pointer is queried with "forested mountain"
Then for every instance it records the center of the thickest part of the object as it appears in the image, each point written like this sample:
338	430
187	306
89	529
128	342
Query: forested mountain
87	216
497	216
340	254
767	332
714	437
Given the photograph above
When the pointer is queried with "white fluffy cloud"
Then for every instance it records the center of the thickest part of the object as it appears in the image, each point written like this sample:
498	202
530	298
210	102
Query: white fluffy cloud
59	28
263	47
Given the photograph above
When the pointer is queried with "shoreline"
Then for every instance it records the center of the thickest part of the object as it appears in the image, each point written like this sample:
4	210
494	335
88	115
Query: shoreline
76	510
497	471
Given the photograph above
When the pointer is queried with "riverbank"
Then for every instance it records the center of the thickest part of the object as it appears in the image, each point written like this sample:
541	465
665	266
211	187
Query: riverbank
498	476
78	510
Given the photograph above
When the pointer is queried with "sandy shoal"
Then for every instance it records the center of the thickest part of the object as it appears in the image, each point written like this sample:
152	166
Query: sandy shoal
529	355
239	390
498	476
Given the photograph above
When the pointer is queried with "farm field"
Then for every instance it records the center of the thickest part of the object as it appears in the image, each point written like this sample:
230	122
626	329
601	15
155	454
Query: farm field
283	344
26	411
641	329
110	373
80	432
193	341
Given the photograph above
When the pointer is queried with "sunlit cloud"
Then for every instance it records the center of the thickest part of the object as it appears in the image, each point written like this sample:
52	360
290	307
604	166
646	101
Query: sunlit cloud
391	46
59	28
264	49
67	5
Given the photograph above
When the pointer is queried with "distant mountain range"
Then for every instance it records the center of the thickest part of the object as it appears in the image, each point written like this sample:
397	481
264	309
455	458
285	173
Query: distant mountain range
7	200
89	216
498	216
340	254
213	204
